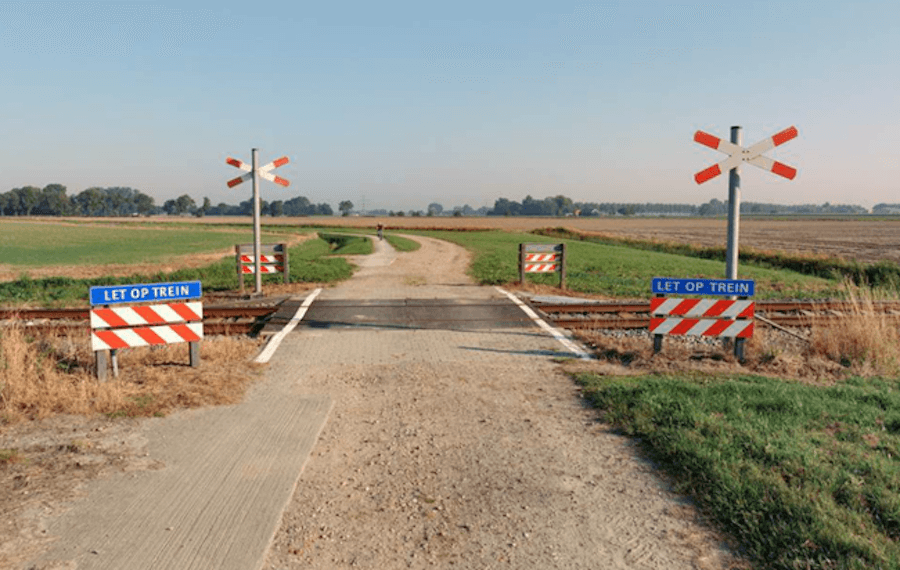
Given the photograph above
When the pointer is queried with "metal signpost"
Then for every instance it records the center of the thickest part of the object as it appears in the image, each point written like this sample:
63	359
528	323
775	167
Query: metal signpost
254	172
114	328
737	155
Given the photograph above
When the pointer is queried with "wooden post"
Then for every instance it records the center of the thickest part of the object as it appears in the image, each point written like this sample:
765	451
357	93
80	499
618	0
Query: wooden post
101	358
240	269
194	354
521	264
739	342
657	338
562	266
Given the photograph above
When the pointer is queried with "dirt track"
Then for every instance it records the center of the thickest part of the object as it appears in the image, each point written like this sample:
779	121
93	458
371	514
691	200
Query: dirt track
468	449
464	448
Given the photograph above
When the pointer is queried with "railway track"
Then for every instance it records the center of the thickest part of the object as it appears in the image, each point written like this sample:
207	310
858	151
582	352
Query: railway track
217	319
801	314
240	319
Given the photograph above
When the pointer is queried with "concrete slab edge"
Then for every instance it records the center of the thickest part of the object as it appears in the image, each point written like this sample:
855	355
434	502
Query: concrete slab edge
269	350
556	333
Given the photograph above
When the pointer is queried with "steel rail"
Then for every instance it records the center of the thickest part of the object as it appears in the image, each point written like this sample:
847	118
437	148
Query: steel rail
223	312
762	306
803	321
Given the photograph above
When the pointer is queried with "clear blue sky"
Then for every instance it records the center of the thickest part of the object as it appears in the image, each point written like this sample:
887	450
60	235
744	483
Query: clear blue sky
403	104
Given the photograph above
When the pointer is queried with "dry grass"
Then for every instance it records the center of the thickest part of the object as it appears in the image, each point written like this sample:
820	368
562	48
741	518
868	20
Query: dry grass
865	341
42	377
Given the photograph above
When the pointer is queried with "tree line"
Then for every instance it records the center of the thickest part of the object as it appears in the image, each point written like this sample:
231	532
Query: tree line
564	206
53	200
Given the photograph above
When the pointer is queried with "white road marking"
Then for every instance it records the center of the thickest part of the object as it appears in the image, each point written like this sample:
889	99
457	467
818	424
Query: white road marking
555	332
276	339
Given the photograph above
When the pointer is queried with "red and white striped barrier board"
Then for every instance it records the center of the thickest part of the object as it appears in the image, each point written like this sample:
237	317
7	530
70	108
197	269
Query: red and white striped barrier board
701	327
262	258
263	269
752	155
120	327
273	259
145	336
146	315
702	317
722	308
540	267
540	257
543	258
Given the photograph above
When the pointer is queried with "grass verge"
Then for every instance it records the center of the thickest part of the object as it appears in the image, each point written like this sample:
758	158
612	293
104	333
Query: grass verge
44	376
347	245
801	476
402	244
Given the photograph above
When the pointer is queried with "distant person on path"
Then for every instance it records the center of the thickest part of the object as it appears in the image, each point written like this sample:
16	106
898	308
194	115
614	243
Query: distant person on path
380	231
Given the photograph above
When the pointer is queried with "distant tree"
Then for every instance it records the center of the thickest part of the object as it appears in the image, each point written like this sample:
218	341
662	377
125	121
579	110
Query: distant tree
276	208
345	207
54	202
457	213
205	208
170	207
435	209
28	199
184	204
89	202
143	204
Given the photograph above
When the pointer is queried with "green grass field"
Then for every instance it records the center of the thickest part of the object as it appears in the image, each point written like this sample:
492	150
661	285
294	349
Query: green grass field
802	476
44	244
619	271
310	261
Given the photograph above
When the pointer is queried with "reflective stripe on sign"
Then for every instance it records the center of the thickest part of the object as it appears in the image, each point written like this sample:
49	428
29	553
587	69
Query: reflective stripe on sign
540	267
702	308
146	315
106	339
701	327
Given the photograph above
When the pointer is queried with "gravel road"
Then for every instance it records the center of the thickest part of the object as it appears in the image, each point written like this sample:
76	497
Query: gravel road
378	447
468	449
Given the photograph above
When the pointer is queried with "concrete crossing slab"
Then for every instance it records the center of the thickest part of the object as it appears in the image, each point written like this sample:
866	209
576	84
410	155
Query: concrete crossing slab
229	472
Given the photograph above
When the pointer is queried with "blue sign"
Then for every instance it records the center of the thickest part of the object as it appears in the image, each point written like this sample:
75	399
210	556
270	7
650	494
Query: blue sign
735	287
145	292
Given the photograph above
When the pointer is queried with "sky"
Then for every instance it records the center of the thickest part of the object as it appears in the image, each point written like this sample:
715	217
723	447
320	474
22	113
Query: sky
396	105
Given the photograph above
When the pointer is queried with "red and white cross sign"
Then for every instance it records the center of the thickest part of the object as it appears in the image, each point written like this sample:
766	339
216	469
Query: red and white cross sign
753	155
264	171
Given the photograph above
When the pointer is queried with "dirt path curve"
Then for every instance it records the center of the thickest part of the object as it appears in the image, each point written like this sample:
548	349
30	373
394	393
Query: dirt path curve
465	448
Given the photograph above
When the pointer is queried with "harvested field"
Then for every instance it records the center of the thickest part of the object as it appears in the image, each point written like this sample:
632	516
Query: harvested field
860	239
865	240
